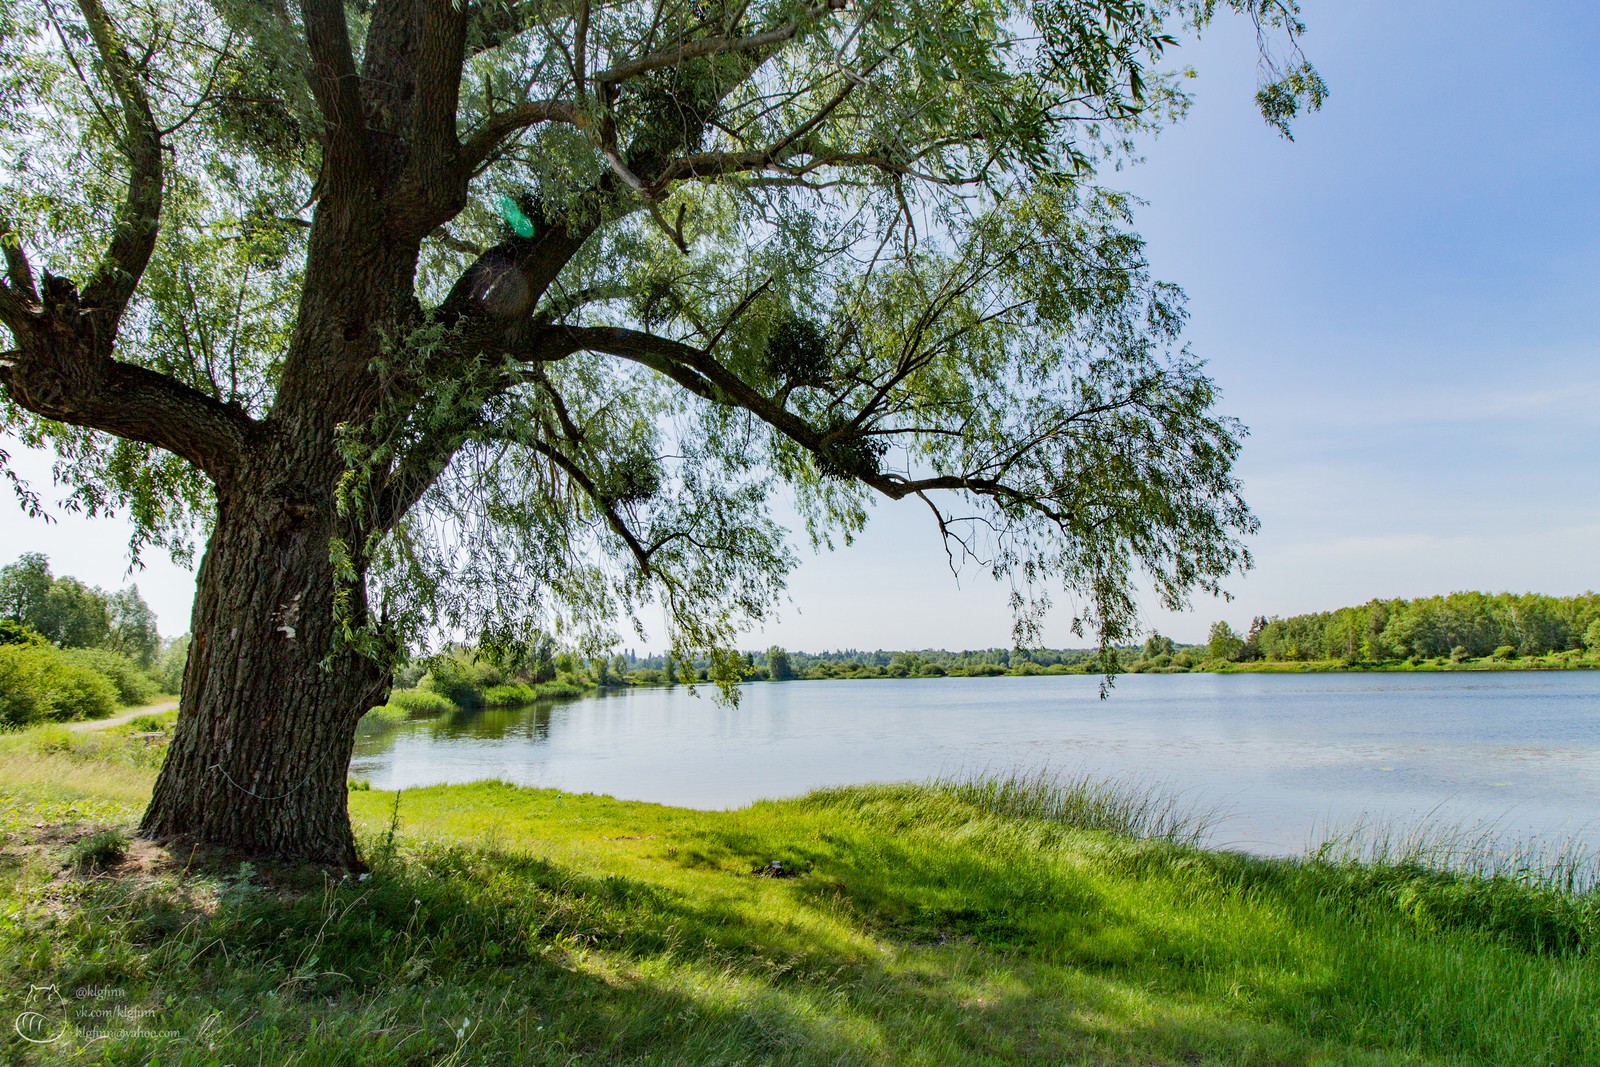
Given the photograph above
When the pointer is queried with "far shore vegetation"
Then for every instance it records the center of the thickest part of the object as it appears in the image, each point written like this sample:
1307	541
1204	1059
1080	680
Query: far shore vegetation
1462	631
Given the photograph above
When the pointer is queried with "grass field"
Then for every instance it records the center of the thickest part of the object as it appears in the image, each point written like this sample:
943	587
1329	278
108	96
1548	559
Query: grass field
954	923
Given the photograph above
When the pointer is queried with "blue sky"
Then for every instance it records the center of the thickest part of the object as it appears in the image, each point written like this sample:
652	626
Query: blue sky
1403	306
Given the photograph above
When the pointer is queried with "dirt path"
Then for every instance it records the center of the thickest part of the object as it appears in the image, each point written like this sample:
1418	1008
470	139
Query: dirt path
126	716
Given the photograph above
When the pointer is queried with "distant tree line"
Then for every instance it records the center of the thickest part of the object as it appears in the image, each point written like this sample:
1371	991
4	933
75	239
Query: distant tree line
70	650
1459	629
1454	628
778	664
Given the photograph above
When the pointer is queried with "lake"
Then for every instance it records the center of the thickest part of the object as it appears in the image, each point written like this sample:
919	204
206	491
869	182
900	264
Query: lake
1283	757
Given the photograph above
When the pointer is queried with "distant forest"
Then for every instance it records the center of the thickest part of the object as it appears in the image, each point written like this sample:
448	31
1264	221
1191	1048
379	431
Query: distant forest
1457	627
1458	630
1462	631
777	664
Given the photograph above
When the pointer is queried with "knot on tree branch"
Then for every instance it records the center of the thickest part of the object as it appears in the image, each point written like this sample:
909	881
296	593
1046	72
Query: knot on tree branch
59	296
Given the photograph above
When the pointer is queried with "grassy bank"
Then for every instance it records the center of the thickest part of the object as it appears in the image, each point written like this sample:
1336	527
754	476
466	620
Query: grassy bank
946	924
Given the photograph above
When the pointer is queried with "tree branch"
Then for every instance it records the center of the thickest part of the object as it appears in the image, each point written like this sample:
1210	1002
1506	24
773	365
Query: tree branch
19	272
13	310
335	83
132	402
487	138
496	23
713	46
658	353
134	237
581	479
696	370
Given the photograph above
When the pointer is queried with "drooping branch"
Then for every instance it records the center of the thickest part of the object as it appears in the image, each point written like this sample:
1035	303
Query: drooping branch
607	508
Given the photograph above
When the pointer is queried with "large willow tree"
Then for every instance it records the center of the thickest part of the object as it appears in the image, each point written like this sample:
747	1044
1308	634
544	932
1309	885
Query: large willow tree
511	316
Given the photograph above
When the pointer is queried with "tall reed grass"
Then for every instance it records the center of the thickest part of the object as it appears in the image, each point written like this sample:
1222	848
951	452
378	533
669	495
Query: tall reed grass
1123	807
1482	849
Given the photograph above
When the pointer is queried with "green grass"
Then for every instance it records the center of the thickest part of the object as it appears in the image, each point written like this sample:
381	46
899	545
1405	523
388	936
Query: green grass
962	922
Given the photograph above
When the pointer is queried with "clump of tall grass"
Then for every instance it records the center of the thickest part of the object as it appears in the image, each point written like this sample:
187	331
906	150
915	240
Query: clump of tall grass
156	722
1084	802
99	852
558	688
508	695
1480	849
1538	894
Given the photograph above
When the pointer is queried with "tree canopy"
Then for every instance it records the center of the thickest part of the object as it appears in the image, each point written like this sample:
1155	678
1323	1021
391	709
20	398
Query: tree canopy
665	253
74	615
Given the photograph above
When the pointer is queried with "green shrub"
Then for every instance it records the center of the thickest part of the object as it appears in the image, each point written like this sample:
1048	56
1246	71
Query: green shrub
508	695
22	693
420	701
461	679
134	685
547	690
39	682
1506	653
383	717
981	670
14	633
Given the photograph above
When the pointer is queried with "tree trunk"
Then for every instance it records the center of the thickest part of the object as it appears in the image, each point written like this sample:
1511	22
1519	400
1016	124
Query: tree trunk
260	755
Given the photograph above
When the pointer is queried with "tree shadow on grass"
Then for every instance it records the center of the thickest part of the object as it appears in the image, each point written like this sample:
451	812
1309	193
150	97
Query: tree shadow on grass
897	953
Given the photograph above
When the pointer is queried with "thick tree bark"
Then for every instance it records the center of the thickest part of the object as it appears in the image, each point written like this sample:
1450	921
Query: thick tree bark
259	758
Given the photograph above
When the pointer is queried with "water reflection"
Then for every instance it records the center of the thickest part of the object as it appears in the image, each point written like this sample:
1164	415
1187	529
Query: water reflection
528	723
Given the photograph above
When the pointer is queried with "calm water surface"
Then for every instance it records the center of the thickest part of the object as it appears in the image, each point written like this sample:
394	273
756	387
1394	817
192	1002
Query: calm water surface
1285	757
